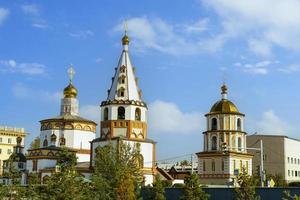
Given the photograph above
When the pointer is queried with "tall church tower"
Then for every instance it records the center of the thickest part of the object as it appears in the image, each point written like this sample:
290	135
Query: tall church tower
124	114
224	148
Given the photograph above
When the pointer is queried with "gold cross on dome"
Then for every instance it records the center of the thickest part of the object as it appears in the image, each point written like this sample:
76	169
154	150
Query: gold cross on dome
71	73
125	27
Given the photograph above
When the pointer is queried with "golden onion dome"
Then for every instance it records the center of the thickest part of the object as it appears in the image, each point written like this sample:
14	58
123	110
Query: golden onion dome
70	91
224	106
125	40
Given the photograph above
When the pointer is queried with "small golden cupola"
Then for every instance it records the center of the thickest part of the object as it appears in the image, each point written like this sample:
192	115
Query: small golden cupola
224	106
70	91
125	39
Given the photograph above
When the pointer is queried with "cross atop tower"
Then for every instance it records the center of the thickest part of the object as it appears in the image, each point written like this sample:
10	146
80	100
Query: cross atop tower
71	73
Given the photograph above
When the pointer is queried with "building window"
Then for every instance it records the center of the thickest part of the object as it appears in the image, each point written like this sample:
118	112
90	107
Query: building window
298	161
138	114
213	166
289	173
0	139
20	165
239	124
9	141
214	143
295	160
0	151
296	173
8	151
214	124
45	143
121	92
240	144
241	165
121	112
292	173
223	165
34	165
292	160
288	159
105	113
204	168
234	165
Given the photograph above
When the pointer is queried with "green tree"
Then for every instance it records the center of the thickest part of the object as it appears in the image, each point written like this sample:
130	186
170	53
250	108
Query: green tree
246	189
117	173
159	189
35	143
65	183
278	179
288	196
192	189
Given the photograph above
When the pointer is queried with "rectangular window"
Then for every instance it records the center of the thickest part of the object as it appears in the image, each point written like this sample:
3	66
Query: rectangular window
9	140
34	165
204	165
0	139
296	173
8	151
0	151
292	173
234	164
292	160
298	161
289	173
288	159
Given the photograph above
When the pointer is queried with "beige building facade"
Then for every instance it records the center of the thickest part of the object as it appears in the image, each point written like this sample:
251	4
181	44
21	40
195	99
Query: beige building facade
8	140
281	155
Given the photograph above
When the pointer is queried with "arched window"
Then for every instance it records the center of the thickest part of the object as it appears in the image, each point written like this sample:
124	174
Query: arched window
121	112
105	113
240	144
121	92
214	143
213	166
138	114
45	143
239	124
122	79
62	141
214	124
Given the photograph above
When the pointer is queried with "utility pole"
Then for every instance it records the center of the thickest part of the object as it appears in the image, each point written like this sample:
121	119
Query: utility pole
261	163
192	164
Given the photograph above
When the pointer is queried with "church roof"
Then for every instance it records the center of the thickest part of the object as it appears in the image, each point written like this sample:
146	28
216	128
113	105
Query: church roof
224	106
124	83
69	117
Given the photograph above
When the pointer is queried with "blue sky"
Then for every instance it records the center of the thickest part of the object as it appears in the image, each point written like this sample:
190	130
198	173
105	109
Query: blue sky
182	51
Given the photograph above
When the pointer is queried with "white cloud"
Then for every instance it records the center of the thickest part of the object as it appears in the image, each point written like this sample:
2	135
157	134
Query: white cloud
270	123
3	15
22	91
91	112
30	9
25	68
33	11
83	34
276	23
157	34
290	68
166	117
260	68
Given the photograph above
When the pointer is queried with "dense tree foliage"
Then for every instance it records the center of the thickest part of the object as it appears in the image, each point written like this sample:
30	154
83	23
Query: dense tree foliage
193	190
117	173
246	188
35	143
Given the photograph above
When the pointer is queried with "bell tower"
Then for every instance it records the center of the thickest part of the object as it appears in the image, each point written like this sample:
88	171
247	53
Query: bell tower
124	114
224	144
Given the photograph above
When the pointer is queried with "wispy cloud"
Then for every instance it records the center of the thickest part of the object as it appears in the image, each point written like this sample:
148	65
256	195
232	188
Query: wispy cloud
25	68
22	91
260	68
270	123
157	34
275	23
83	34
91	112
33	11
166	117
290	68
3	15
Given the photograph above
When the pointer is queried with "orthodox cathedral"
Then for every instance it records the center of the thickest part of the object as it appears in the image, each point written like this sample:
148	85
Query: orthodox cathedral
124	120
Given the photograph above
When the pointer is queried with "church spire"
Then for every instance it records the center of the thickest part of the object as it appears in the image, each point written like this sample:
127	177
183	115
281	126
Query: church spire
124	83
